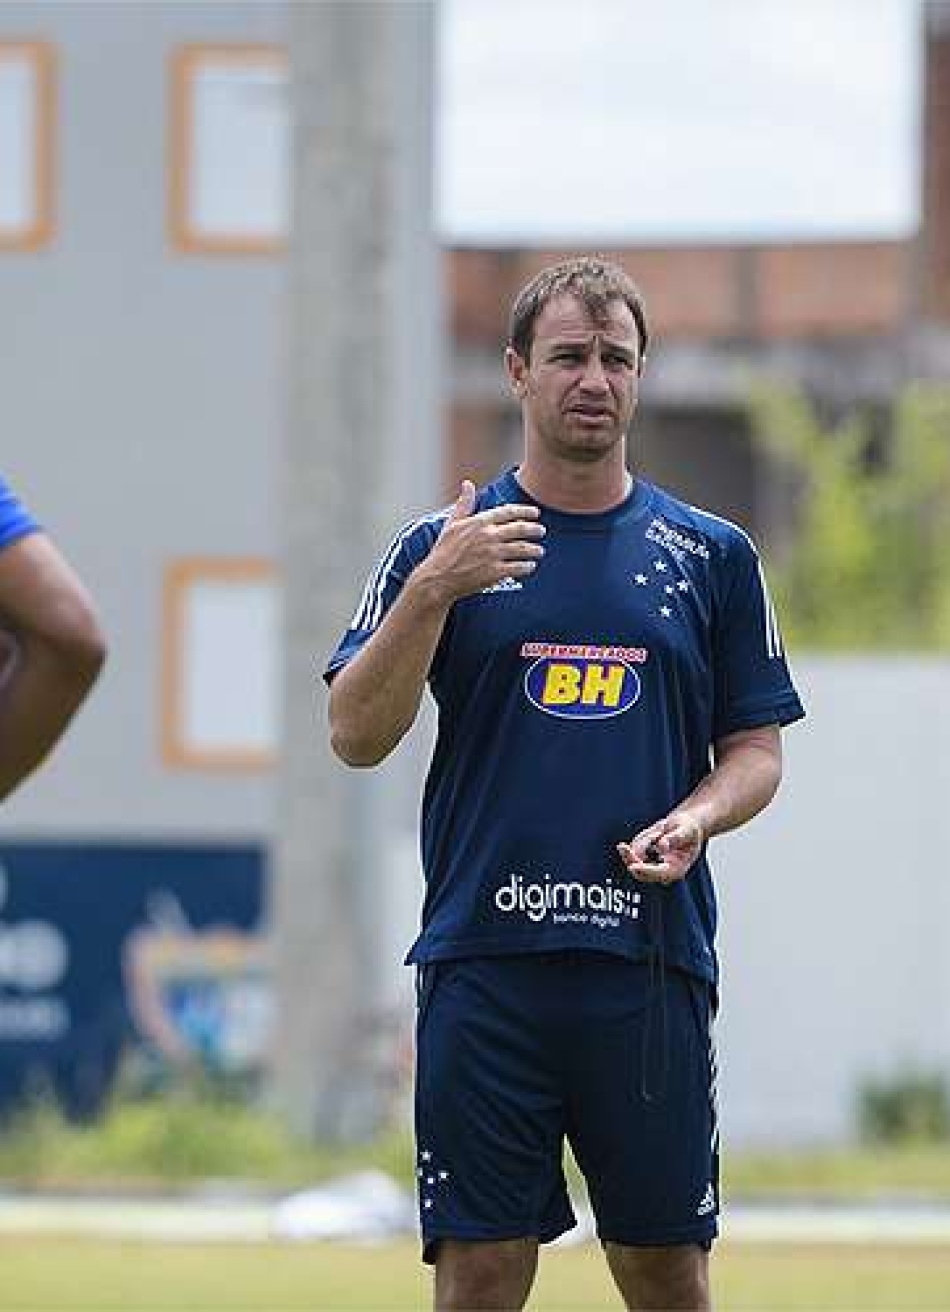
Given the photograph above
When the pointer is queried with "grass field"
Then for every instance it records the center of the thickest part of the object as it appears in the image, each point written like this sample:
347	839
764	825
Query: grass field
59	1275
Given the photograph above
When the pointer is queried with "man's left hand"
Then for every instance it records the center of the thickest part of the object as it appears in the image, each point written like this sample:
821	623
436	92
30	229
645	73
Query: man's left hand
664	852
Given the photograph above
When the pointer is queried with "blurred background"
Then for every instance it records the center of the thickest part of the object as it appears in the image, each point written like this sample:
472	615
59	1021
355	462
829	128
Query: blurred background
256	261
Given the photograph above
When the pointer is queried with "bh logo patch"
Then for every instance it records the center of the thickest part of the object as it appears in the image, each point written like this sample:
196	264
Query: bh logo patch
581	688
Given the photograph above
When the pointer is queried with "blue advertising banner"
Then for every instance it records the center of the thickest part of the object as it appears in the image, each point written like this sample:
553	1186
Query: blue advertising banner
153	955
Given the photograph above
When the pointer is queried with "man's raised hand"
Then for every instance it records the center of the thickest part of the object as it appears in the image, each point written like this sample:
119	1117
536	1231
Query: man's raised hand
465	501
477	550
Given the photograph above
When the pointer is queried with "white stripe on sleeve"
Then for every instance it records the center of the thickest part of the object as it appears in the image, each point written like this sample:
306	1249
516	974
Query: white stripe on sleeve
773	638
369	612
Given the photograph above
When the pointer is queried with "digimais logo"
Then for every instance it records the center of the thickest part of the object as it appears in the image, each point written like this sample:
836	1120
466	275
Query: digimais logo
568	901
581	681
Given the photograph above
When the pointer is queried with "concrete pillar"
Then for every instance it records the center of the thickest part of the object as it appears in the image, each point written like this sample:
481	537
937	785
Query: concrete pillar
361	455
934	248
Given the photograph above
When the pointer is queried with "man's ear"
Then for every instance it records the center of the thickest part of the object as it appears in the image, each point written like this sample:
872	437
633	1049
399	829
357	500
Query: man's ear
516	369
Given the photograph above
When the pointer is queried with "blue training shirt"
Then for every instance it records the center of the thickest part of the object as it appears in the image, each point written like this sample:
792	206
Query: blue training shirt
15	520
576	707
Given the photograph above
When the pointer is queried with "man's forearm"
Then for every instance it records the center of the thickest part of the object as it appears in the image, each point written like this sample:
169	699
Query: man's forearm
744	779
375	699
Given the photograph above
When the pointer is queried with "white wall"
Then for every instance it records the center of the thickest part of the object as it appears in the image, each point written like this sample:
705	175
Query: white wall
835	904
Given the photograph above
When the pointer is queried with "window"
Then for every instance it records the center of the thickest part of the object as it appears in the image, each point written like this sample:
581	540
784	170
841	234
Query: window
27	109
220	681
229	184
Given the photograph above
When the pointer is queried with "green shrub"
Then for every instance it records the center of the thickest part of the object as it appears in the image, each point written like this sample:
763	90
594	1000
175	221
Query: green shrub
869	565
189	1134
913	1107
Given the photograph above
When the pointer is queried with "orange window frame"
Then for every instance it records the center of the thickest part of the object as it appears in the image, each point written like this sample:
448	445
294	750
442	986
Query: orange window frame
186	63
179	579
39	231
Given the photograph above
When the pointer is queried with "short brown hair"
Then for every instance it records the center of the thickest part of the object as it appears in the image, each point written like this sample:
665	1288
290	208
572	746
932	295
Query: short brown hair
593	280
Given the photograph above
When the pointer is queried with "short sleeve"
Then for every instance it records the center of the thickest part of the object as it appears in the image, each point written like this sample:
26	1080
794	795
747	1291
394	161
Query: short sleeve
386	581
753	683
15	520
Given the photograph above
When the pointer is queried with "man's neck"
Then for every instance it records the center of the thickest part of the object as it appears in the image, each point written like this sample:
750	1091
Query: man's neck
577	489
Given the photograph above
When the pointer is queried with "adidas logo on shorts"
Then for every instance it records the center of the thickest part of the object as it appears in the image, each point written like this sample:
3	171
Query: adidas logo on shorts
708	1203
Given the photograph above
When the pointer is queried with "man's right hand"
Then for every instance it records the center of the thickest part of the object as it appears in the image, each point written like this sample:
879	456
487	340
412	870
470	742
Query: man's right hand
375	699
475	551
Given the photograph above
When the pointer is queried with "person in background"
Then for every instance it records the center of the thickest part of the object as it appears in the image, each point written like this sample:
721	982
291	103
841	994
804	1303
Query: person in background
51	644
611	685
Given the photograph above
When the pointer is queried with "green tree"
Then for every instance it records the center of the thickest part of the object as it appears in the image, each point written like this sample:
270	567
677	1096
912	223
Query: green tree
869	566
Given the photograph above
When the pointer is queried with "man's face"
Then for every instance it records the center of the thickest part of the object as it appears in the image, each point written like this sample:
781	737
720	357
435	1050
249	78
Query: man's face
579	391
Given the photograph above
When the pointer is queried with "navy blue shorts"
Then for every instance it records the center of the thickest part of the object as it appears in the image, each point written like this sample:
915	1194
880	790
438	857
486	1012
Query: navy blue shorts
517	1054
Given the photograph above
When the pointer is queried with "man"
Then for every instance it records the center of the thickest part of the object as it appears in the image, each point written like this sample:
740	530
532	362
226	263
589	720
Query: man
610	684
51	646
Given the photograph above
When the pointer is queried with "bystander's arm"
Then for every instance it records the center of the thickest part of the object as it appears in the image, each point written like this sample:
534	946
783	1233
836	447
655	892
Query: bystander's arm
58	652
